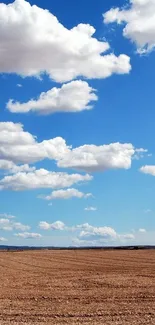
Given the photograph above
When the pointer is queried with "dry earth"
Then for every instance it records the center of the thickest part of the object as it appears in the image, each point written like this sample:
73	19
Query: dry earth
77	287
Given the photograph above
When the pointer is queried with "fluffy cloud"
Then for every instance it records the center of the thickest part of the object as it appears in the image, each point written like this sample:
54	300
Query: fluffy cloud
58	225
65	194
28	235
142	230
88	234
22	168
72	97
12	168
99	158
2	239
12	133
6	164
7	216
139	19
5	224
8	224
126	237
20	147
50	47
19	226
90	209
148	169
100	235
41	179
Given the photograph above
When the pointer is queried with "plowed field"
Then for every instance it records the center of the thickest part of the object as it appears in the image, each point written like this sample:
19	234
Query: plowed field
77	287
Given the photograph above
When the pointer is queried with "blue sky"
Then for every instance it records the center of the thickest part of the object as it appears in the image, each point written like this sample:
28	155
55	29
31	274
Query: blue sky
77	158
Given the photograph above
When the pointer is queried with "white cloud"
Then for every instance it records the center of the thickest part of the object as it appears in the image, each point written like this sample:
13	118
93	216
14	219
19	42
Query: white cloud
148	169
6	164
19	226
139	19
28	235
65	194
41	179
82	242
99	158
17	136
142	230
58	225
100	235
126	237
21	168
11	168
72	97
140	153
19	85
20	147
90	209
7	224
50	47
7	216
89	232
2	239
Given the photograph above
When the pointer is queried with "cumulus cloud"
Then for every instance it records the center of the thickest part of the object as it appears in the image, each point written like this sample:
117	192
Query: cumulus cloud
7	224
139	19
17	136
65	195
90	209
142	230
58	225
126	237
87	233
19	226
21	168
52	48
41	179
75	96
19	85
6	164
100	235
18	147
12	168
2	239
28	235
7	216
99	158
148	169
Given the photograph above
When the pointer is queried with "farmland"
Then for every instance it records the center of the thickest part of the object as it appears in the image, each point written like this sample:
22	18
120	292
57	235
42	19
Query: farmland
77	287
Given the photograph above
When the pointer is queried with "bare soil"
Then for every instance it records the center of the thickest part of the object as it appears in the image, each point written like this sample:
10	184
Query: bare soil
77	287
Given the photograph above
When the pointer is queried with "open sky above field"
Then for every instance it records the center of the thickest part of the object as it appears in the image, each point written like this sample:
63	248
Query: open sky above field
77	127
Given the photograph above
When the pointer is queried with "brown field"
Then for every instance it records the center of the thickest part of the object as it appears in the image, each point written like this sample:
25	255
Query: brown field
77	287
